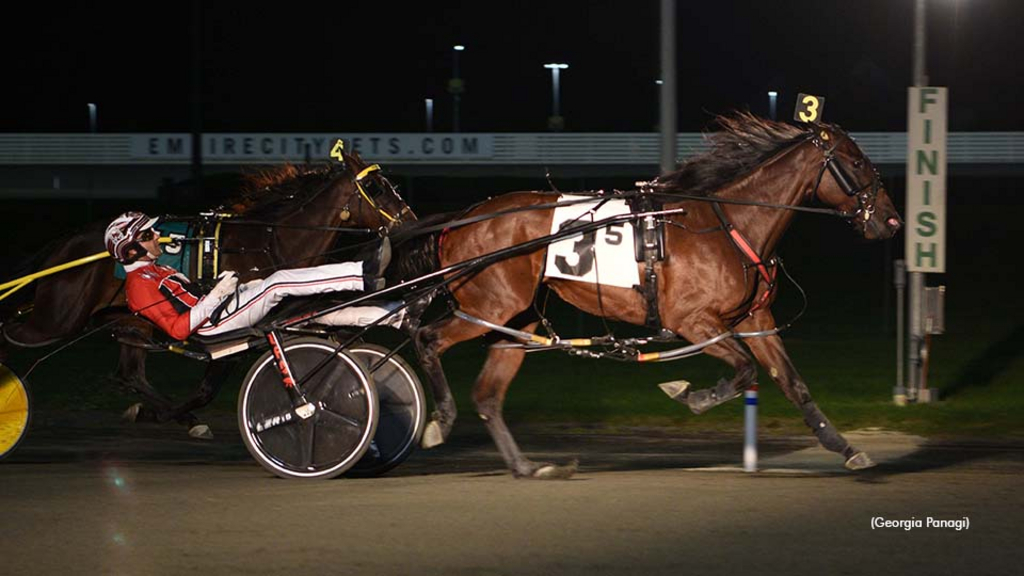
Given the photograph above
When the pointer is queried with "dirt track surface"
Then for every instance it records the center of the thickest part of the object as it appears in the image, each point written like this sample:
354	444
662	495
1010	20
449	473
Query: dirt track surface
104	498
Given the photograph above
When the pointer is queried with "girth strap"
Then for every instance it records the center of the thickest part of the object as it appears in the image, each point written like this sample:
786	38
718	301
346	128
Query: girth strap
649	234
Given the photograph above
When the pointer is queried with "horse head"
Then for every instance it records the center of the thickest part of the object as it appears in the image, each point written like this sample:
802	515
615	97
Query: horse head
374	201
849	182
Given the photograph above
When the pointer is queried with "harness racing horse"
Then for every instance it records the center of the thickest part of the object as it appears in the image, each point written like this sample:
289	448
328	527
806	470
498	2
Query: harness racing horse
285	217
743	191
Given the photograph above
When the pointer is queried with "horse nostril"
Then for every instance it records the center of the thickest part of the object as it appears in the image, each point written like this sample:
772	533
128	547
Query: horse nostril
894	222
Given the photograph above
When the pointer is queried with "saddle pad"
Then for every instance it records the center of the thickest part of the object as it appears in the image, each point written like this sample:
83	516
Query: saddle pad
602	256
177	255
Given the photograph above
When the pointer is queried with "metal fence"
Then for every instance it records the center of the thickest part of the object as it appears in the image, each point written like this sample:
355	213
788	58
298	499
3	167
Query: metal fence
627	148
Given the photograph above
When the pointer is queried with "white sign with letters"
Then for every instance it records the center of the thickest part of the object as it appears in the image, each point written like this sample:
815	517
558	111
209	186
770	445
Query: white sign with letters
603	256
251	147
926	179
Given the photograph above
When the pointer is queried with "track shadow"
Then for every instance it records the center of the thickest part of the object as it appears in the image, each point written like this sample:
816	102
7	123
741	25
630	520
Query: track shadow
984	368
936	456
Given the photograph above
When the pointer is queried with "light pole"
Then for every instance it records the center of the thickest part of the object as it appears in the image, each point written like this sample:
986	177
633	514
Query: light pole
455	86
430	114
667	96
555	122
772	95
92	117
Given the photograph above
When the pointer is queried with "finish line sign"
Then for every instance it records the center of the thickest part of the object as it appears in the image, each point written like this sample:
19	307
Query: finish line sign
246	147
926	179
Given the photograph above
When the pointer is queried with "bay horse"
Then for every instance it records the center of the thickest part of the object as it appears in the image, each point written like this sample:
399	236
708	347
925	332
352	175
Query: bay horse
285	217
756	173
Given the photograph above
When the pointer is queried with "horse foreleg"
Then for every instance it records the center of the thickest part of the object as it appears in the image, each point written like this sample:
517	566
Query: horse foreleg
729	351
772	355
499	369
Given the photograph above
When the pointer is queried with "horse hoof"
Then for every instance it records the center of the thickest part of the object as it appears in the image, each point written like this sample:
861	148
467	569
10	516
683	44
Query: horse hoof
676	389
701	401
201	431
132	413
860	461
432	435
553	472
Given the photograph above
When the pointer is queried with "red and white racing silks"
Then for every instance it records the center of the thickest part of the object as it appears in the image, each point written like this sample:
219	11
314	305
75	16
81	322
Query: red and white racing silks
163	295
169	299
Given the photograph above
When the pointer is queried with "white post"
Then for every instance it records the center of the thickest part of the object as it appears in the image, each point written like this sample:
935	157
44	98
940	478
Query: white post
750	430
430	114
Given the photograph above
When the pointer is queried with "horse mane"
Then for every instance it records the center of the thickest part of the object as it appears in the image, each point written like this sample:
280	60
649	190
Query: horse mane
263	190
742	143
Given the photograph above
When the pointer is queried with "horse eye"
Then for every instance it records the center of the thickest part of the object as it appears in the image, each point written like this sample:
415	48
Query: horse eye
858	164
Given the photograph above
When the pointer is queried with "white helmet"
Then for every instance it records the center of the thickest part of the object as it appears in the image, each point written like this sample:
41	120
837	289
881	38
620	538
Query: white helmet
122	236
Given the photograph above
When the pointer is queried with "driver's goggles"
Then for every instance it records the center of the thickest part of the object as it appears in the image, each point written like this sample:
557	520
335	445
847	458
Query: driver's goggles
147	235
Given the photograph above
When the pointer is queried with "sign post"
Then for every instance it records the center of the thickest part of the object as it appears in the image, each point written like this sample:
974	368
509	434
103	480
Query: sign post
926	215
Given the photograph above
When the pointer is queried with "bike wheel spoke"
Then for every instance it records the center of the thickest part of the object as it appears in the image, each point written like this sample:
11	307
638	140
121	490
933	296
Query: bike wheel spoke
306	444
339	421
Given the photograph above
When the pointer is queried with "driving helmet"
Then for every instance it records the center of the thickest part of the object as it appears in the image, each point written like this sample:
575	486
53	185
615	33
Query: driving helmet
122	236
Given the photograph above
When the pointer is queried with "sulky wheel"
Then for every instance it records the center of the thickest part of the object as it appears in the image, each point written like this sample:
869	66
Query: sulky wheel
14	410
403	410
321	438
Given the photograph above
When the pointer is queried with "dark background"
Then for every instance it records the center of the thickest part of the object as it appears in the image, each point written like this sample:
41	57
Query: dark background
339	67
342	66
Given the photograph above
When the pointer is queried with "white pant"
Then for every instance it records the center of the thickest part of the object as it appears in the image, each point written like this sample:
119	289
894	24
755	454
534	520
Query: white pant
256	298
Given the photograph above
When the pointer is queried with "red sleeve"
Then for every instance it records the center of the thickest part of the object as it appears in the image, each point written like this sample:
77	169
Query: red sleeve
144	297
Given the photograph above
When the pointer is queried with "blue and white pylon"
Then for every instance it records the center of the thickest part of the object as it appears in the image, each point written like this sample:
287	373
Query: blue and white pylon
750	430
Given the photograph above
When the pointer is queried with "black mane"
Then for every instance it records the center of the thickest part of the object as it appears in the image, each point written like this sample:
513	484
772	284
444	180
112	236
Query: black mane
265	194
742	143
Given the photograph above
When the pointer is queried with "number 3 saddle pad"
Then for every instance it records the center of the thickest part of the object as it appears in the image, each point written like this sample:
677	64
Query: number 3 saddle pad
603	256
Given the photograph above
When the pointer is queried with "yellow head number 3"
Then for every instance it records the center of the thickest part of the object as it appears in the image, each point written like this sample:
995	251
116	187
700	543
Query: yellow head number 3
808	108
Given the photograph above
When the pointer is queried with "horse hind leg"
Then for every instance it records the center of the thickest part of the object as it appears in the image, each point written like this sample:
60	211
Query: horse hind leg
156	406
216	374
489	391
429	347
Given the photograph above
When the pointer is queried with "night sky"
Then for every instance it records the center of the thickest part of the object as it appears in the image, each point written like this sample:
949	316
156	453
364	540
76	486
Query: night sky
367	67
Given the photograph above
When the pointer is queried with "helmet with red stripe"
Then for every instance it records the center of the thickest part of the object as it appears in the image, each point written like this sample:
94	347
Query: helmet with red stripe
122	236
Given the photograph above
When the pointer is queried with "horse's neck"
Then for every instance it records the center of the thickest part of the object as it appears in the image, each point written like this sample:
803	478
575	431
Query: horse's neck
783	180
303	239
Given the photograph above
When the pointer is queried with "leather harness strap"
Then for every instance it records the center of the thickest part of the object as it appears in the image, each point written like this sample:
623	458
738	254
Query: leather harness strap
767	270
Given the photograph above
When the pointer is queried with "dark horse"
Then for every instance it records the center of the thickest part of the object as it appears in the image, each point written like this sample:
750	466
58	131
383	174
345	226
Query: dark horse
286	217
706	288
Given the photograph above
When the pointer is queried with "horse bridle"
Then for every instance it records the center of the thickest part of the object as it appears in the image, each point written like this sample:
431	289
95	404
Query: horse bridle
865	199
382	182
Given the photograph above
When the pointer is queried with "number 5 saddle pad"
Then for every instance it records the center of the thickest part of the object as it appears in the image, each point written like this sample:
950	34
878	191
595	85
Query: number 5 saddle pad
603	256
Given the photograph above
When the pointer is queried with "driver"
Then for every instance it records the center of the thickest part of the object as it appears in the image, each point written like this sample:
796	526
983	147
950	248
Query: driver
179	307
